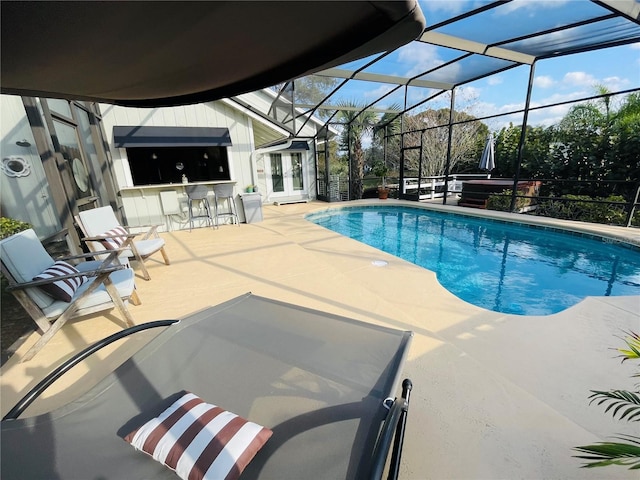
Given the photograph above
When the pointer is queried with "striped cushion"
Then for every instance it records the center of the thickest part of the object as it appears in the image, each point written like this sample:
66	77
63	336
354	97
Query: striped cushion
61	289
199	440
118	236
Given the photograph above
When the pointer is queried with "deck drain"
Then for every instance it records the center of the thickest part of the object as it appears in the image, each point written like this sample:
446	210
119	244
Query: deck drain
379	263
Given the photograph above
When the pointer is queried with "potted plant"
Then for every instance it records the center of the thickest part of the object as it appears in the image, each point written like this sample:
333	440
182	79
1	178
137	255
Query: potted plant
380	169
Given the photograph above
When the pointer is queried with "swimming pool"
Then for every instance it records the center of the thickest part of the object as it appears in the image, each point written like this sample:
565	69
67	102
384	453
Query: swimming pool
501	266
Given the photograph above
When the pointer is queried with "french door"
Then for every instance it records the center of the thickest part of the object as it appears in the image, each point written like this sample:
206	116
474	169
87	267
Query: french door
286	175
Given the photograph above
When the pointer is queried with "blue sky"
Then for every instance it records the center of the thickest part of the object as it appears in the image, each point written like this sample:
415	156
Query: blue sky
556	80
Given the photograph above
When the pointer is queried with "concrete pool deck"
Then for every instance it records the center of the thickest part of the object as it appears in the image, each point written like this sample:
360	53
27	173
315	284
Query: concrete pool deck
495	395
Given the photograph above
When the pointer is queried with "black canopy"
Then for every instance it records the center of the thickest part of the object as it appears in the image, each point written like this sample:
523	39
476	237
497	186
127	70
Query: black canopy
170	53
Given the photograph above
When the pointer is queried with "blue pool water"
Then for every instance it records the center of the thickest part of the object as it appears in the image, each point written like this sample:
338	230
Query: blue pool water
500	266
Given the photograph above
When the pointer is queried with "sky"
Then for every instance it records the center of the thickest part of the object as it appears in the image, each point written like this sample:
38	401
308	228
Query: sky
556	80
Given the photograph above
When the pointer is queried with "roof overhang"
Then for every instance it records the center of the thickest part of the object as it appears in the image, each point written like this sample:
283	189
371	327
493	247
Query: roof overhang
139	136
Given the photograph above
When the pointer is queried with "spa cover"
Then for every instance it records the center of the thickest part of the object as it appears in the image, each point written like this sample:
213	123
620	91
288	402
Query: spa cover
318	381
169	53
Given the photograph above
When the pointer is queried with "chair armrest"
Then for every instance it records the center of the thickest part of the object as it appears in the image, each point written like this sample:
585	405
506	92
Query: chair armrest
88	255
46	281
152	230
392	431
98	238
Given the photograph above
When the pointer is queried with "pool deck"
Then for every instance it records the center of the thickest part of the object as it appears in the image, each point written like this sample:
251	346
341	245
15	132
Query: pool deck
495	395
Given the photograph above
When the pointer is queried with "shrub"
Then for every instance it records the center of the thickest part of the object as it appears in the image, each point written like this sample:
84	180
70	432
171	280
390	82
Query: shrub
502	201
581	207
9	226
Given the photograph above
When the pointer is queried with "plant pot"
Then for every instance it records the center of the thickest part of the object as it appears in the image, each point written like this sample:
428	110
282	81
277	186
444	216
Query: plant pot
383	193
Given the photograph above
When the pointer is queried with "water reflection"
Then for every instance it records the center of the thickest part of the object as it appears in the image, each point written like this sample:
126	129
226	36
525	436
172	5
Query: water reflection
499	266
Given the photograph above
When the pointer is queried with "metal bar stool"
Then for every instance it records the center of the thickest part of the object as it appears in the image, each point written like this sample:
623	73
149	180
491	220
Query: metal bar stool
198	193
224	191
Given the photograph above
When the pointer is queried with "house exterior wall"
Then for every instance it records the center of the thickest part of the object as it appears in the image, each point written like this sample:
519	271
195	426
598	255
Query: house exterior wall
25	198
142	205
214	114
43	199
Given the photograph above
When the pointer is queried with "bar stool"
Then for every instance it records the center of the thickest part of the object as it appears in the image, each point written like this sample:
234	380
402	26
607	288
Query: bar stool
198	193
224	191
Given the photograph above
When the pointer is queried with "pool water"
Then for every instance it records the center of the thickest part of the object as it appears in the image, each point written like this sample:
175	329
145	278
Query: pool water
500	266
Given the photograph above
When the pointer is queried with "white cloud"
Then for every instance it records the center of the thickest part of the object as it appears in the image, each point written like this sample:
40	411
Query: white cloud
495	80
419	57
378	92
579	79
543	81
509	107
542	119
616	83
466	93
635	46
533	6
582	79
562	97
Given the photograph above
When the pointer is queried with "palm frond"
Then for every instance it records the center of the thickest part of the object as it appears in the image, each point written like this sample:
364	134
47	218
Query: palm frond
633	344
624	403
612	453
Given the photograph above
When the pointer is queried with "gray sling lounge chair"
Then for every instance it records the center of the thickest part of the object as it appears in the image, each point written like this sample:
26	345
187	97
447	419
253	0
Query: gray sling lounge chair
325	385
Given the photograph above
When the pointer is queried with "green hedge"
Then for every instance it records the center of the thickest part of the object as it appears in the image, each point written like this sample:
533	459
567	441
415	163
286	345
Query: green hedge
580	207
9	226
572	207
502	201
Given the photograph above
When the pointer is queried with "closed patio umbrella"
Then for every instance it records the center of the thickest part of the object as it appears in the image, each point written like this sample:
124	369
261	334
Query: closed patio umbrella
488	160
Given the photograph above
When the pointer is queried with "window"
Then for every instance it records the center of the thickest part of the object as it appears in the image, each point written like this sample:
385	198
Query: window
160	165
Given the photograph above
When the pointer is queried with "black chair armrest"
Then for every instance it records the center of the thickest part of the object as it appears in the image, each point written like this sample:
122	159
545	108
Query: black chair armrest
392	433
36	391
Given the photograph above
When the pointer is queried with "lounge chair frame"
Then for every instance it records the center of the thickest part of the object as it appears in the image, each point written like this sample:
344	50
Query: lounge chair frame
101	276
369	439
151	232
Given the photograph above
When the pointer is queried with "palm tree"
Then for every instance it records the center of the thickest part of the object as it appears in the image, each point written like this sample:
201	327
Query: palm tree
358	122
625	405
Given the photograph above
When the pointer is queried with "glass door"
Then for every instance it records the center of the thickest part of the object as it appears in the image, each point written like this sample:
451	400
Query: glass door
286	174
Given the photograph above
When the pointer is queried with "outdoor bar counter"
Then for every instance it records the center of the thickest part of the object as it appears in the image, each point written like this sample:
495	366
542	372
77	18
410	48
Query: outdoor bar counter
164	204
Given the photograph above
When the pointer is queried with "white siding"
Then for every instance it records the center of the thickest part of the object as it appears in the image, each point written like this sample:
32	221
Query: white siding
24	198
143	206
214	114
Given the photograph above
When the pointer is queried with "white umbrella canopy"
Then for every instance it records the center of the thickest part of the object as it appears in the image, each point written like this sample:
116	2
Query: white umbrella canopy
488	159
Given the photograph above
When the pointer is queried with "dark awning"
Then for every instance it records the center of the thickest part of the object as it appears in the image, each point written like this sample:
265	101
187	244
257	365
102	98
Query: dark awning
298	145
127	137
295	145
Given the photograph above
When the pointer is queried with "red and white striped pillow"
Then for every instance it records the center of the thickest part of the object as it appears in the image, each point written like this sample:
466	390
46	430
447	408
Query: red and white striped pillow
199	440
118	236
62	289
